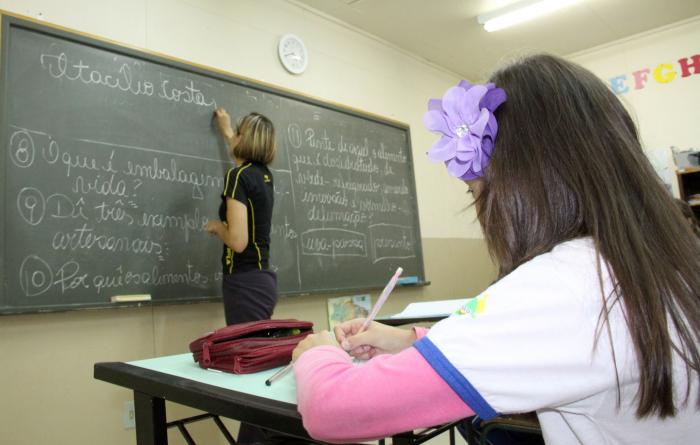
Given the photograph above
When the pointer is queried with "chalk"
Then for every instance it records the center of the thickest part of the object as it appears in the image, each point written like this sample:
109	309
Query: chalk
130	298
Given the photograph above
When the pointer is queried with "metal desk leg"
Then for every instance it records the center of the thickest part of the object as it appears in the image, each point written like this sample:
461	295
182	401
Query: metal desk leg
150	420
407	438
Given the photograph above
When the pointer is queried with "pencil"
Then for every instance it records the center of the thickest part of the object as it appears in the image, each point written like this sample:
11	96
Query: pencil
281	373
382	298
378	305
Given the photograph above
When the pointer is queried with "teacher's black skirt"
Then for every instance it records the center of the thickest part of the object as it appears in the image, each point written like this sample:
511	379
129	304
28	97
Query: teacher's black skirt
249	296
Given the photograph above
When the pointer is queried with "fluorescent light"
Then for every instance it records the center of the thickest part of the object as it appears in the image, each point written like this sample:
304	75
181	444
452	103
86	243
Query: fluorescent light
521	12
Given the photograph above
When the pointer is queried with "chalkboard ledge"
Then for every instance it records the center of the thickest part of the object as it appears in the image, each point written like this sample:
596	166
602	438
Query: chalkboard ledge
350	289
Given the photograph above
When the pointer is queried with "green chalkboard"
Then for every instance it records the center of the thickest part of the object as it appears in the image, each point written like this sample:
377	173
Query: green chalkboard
112	167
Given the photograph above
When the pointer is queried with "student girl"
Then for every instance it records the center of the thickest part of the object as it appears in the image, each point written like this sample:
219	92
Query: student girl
594	319
245	218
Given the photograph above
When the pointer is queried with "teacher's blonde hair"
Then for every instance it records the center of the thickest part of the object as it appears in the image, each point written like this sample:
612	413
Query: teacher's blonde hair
257	143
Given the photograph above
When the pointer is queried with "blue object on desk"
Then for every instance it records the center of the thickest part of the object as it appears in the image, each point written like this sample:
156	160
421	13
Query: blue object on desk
407	280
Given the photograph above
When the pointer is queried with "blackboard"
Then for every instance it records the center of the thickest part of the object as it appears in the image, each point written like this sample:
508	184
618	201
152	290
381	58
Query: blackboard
112	167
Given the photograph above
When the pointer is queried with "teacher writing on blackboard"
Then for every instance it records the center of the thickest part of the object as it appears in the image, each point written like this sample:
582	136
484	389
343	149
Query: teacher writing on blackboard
245	218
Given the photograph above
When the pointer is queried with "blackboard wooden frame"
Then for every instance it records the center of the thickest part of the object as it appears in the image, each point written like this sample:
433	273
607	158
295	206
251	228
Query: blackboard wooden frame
10	21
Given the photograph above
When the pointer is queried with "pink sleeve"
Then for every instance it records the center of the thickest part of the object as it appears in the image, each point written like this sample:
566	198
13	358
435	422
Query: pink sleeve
389	394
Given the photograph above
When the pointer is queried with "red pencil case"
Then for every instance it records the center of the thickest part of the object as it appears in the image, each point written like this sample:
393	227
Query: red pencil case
250	347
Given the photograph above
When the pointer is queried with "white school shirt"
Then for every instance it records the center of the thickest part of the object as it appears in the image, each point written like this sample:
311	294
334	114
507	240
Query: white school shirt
527	344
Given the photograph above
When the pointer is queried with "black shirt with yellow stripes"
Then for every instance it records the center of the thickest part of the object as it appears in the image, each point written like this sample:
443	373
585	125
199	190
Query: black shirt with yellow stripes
250	184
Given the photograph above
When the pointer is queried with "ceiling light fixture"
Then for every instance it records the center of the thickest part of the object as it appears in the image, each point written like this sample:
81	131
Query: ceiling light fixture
520	12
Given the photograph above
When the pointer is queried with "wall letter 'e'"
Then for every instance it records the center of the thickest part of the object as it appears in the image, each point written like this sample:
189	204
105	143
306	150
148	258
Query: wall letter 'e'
618	84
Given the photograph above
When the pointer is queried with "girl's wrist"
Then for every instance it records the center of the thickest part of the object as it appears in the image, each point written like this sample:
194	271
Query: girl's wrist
405	340
411	336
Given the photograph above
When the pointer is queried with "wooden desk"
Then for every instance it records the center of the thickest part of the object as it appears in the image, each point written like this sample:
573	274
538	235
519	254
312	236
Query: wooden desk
178	379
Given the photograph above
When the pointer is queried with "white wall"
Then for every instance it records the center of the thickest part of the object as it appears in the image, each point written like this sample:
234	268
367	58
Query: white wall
666	113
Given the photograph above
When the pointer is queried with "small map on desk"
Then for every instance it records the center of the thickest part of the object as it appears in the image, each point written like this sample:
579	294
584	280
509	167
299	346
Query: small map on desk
424	309
342	309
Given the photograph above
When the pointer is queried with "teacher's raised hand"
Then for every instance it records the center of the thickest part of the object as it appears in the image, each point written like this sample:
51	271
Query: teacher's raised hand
223	122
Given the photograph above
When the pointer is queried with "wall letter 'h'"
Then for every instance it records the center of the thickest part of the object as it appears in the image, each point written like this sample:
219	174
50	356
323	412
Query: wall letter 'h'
686	64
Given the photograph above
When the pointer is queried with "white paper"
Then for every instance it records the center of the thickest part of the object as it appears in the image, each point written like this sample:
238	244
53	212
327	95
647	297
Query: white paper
431	308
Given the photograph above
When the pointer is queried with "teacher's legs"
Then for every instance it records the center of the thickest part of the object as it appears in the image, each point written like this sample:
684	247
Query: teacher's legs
250	296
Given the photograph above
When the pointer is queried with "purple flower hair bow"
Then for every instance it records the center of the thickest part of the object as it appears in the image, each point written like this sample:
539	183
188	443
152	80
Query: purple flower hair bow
465	119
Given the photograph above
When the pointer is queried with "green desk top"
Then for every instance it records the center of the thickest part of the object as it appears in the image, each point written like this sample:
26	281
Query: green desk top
182	365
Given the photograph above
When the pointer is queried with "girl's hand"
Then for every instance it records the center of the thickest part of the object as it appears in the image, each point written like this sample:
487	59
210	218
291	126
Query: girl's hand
377	339
312	340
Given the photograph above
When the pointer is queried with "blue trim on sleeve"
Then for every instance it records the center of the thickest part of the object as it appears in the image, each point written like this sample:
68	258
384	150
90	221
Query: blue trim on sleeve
454	379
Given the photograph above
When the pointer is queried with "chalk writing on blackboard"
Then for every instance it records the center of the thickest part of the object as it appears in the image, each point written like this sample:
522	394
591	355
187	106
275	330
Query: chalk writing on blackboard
114	168
62	66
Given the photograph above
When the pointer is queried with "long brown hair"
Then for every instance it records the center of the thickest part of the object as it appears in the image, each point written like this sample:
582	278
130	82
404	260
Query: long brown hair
568	163
689	215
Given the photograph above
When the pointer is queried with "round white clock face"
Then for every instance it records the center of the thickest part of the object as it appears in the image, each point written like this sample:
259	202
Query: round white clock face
292	53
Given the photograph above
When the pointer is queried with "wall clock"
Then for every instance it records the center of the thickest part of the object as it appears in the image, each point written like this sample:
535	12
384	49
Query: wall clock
292	53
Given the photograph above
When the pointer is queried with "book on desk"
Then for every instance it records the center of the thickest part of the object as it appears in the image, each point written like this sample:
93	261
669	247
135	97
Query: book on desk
424	311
